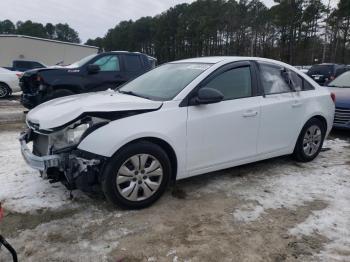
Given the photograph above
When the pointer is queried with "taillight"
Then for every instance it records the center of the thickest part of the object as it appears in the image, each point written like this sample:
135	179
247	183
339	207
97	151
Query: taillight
19	75
332	77
38	78
333	97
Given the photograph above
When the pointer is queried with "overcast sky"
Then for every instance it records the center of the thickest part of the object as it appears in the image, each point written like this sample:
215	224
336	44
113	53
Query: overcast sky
91	18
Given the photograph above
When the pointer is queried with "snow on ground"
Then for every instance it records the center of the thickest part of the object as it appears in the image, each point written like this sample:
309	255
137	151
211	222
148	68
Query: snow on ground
21	188
327	178
274	184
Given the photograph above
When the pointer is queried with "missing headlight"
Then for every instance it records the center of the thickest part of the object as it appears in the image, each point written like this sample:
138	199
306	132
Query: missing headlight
74	134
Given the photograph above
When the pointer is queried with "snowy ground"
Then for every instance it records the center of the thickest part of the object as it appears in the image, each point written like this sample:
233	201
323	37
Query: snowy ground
275	210
11	109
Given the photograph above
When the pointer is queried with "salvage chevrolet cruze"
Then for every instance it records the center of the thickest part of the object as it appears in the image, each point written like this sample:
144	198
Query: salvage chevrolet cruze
181	119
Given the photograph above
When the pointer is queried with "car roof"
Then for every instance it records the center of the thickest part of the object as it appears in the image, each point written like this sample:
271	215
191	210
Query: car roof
122	52
228	59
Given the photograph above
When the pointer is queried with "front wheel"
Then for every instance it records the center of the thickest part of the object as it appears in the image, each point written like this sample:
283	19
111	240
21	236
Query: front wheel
137	175
310	141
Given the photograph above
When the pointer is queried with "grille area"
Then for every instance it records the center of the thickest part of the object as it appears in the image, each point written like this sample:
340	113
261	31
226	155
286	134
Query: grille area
342	116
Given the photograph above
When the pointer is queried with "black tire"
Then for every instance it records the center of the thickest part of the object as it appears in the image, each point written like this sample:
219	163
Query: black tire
299	152
5	90
109	176
56	94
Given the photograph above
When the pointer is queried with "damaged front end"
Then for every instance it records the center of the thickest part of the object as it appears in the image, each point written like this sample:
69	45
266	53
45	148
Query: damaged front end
55	154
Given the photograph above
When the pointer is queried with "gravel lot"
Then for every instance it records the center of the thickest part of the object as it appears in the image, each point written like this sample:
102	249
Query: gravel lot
274	210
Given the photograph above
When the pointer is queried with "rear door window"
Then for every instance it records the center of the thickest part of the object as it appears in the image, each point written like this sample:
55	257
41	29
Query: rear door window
272	79
133	63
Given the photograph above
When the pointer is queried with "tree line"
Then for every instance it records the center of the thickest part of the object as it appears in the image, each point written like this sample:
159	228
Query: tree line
295	31
61	32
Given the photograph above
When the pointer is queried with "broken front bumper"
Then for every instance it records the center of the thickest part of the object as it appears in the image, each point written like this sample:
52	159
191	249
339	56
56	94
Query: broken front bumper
40	163
75	168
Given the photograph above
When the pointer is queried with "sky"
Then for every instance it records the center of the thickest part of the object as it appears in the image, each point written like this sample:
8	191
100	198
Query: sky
91	18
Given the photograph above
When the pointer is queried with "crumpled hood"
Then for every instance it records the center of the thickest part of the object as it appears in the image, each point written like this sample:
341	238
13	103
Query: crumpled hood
342	96
60	111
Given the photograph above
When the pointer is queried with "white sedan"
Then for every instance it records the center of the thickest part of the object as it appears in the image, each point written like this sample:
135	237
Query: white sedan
9	82
179	120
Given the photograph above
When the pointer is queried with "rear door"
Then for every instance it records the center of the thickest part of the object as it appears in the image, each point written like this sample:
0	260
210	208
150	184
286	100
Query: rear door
133	66
281	111
222	133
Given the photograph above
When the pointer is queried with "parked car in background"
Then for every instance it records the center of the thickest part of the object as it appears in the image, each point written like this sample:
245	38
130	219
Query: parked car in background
25	65
181	119
303	69
341	88
93	73
9	82
323	73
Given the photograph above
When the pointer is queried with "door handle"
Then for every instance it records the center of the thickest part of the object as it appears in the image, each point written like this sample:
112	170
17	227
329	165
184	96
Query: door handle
250	113
296	104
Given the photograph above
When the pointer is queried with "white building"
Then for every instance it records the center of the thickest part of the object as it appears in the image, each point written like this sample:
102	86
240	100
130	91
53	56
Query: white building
46	51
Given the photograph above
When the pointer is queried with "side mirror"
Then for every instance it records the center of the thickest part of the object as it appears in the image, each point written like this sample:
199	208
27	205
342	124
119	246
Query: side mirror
208	95
93	69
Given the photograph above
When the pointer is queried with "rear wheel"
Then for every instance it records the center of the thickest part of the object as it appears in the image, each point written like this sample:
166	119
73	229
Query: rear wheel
310	141
5	91
136	176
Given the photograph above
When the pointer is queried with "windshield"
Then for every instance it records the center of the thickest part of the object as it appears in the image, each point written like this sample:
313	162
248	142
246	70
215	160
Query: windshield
341	81
81	62
164	82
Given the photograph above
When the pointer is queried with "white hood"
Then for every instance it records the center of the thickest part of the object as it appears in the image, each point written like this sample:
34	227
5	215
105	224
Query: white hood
60	111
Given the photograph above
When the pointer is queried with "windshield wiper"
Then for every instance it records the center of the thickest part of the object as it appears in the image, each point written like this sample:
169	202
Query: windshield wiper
132	94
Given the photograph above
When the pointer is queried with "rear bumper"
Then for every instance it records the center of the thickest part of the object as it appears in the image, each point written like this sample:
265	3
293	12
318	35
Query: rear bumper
41	163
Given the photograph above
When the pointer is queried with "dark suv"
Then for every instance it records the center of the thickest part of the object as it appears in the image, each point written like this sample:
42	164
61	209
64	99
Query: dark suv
325	73
93	73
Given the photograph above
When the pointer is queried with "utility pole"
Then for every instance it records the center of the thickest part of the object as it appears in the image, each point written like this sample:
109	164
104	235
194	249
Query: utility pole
326	33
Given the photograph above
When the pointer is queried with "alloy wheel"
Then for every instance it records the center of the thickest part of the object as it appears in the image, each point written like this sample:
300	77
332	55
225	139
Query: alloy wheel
139	177
312	140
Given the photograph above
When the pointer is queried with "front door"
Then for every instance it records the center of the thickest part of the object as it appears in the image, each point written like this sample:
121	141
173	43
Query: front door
109	76
222	133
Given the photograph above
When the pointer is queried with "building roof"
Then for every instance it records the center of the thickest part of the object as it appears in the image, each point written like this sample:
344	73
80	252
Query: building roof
47	40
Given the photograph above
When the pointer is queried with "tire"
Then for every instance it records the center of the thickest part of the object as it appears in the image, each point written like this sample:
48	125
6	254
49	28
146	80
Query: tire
139	185
5	91
310	141
57	93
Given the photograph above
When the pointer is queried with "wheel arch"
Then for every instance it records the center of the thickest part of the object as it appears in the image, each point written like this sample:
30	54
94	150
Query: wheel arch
322	119
165	146
318	117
